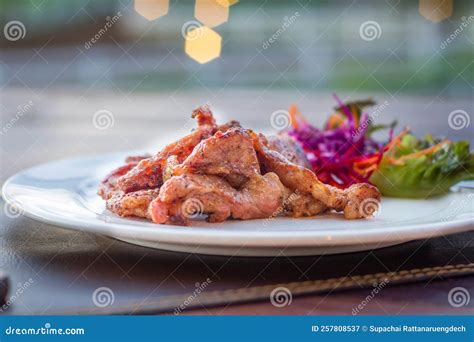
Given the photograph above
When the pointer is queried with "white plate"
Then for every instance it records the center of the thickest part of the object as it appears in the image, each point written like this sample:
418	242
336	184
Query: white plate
63	193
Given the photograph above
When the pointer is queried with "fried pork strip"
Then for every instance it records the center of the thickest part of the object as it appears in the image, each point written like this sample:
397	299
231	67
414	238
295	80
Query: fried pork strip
303	180
303	205
229	155
131	204
184	197
148	173
217	171
109	185
130	188
221	177
288	148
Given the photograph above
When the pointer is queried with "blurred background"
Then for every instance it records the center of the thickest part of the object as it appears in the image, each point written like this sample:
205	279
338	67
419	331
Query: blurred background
64	67
152	56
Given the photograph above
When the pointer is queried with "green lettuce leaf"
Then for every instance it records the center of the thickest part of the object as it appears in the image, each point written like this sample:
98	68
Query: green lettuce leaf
427	175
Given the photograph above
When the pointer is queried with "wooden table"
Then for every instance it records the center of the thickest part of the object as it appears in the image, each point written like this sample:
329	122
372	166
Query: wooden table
59	124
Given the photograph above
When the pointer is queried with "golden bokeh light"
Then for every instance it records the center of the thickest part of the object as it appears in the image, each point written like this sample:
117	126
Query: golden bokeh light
227	2
211	13
152	9
436	10
203	44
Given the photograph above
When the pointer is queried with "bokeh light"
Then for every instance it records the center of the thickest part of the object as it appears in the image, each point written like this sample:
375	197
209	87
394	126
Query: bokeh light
211	13
227	2
203	44
152	9
436	10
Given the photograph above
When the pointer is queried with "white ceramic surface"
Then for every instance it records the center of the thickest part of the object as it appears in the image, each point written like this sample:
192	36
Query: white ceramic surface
63	193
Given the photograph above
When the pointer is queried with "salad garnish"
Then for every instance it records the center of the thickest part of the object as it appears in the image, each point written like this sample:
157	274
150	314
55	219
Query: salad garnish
344	153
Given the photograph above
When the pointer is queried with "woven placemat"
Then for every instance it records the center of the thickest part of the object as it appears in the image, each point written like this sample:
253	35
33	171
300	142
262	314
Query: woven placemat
177	303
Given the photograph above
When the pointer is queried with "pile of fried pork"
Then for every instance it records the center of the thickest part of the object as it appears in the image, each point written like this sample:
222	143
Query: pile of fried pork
227	172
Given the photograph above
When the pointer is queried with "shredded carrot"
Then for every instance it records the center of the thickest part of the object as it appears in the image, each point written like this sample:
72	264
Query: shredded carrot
296	116
370	168
369	160
335	120
394	161
397	139
358	169
426	151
